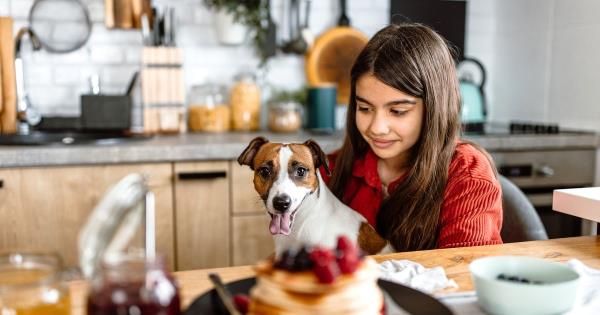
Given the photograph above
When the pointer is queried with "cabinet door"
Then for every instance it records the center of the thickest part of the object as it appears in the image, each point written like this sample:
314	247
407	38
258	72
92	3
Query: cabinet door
202	215
44	208
251	239
244	197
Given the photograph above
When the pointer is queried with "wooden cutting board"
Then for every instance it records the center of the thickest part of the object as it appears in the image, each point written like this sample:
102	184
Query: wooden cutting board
8	119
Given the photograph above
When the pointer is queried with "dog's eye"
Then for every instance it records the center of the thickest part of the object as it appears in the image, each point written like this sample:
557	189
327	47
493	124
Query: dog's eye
264	172
301	172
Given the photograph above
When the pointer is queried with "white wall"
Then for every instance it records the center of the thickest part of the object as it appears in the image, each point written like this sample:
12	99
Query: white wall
541	55
542	59
56	81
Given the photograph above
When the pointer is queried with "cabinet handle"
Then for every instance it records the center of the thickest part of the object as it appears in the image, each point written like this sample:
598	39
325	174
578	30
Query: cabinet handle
201	175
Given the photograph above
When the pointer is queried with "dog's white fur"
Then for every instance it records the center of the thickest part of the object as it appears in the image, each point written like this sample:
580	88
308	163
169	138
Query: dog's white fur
319	217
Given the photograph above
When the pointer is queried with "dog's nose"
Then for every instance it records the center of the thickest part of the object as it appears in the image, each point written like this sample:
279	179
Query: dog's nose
282	202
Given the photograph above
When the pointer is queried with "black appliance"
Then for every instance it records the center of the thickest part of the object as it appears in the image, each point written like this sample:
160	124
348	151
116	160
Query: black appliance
447	17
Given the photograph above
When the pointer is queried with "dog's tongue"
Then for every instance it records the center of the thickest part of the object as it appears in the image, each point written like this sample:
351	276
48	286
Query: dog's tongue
280	224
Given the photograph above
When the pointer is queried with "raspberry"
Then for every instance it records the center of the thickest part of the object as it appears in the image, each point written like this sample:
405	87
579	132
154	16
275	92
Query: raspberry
242	303
348	263
345	245
327	272
321	256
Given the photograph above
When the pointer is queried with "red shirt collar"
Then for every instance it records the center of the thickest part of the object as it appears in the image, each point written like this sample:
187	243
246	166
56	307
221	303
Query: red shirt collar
366	167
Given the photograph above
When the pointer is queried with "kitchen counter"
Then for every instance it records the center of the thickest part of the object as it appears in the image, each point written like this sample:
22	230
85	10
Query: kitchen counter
227	146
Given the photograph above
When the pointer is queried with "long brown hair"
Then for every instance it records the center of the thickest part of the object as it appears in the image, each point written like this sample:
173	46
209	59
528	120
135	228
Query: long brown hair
416	60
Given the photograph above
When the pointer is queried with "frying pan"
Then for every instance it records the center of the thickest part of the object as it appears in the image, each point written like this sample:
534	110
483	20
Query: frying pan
331	57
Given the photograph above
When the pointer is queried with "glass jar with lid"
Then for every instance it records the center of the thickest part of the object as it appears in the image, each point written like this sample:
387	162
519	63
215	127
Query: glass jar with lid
32	284
244	99
208	110
284	116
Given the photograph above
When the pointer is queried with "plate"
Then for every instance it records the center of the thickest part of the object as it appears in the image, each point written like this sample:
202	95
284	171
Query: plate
410	300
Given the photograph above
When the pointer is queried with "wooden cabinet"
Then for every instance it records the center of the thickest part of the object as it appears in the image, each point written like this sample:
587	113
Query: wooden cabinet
251	240
202	215
207	213
44	208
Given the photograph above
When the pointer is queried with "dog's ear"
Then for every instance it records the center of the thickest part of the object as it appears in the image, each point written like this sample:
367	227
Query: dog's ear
247	157
318	155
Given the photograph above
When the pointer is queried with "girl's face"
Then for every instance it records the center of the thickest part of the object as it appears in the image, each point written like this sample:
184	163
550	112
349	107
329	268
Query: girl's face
388	119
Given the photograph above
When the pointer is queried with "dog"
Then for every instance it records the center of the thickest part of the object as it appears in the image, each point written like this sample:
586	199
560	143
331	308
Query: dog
302	208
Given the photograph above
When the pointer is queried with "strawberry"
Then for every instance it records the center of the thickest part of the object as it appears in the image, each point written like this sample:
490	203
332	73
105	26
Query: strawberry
242	303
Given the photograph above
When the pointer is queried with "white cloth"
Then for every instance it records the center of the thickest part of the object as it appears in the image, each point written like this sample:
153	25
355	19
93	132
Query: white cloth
416	276
587	300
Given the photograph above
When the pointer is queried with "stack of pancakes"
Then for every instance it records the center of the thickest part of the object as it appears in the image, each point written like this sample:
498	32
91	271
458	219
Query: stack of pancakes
280	291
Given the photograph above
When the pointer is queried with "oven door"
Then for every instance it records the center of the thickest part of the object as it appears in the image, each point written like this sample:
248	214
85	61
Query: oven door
539	173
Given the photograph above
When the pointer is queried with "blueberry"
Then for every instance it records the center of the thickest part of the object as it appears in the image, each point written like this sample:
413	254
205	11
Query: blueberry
302	261
524	280
286	261
501	277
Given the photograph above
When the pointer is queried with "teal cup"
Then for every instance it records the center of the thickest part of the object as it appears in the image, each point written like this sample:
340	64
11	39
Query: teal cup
321	108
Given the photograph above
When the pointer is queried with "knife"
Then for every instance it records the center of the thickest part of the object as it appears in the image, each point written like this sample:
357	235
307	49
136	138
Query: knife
224	294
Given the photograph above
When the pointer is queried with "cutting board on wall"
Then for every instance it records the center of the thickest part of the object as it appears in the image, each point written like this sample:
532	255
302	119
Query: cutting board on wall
8	118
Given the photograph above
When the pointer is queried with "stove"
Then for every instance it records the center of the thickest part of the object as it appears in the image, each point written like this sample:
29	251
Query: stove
538	172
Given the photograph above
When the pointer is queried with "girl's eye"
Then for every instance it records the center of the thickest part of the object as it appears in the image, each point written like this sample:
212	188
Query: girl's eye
264	172
301	172
398	112
363	109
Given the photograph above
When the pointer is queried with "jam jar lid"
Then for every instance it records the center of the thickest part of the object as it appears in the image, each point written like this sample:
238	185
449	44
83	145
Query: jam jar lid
114	221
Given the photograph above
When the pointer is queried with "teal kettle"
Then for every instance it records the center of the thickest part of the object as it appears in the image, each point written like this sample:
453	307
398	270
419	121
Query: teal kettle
473	106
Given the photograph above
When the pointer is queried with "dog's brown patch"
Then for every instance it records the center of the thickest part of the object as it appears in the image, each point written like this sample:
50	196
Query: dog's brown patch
267	155
301	155
368	239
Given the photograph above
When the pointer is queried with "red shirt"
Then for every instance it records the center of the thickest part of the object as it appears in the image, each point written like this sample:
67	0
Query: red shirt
471	213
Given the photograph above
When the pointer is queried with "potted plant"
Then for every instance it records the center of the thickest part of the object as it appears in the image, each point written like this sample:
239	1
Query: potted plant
236	19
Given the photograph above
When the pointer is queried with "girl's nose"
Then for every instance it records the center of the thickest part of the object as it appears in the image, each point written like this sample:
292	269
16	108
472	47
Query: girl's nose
379	124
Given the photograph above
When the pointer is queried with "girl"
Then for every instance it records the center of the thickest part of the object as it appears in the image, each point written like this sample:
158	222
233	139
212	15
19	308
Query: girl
402	165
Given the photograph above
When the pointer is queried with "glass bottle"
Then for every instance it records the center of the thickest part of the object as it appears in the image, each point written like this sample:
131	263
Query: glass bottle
285	116
31	284
131	285
244	99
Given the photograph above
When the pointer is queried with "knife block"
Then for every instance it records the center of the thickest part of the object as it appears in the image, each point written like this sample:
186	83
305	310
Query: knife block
163	96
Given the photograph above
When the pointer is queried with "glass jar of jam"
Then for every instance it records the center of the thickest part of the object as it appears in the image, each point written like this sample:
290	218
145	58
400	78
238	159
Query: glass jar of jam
31	284
131	285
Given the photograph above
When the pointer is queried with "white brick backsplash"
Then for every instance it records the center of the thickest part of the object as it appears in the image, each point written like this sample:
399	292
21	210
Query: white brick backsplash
20	8
42	57
47	96
4	7
118	75
72	75
105	54
35	75
96	11
202	15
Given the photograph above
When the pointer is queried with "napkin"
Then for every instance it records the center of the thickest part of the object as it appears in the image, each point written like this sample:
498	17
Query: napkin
587	299
414	275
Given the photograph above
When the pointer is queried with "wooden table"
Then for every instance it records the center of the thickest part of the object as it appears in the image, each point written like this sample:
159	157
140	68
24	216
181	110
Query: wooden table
454	260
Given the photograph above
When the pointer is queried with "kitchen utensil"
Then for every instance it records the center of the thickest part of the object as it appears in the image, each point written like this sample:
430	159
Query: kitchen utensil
8	119
270	41
296	44
224	294
61	25
123	13
306	33
473	109
397	296
509	285
333	54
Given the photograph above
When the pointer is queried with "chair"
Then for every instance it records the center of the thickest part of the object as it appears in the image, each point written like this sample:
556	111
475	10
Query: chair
521	221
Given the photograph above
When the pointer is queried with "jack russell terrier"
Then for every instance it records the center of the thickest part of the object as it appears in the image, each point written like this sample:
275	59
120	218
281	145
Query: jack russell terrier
302	208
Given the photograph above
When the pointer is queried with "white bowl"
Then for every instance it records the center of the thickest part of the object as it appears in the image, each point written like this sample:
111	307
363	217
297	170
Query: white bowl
554	295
